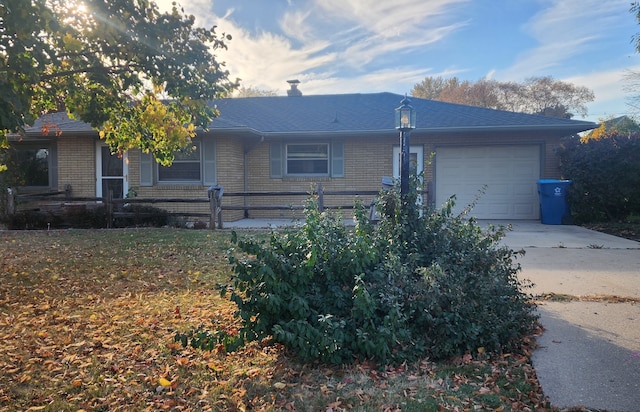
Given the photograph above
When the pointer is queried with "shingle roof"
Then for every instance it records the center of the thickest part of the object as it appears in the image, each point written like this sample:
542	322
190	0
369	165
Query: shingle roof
58	121
346	113
370	112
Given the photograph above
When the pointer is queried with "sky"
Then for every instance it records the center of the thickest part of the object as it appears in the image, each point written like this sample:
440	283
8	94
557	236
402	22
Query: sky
370	46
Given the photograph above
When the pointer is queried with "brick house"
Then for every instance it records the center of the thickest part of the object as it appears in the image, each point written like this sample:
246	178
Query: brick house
346	142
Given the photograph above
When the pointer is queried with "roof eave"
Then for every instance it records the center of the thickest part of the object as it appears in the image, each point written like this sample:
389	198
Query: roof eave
571	128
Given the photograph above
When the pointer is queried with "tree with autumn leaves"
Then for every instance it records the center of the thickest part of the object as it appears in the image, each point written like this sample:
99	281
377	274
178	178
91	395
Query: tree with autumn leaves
144	78
536	95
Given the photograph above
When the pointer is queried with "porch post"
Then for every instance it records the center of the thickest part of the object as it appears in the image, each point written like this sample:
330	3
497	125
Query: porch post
213	207
11	202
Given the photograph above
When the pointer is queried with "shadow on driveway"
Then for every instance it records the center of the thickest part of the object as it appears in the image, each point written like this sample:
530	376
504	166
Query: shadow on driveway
586	356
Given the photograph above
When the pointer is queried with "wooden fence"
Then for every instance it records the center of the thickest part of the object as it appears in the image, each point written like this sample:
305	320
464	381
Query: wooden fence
215	195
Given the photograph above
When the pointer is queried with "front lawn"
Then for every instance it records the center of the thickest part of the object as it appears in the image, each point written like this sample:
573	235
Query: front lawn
88	319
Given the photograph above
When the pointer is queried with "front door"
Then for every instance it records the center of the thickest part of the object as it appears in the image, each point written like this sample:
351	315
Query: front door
111	173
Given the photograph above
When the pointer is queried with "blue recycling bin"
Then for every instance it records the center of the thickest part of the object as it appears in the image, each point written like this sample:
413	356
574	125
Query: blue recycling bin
554	207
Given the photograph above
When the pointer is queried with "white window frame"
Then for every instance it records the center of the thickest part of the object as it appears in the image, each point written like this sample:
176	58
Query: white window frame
177	161
326	159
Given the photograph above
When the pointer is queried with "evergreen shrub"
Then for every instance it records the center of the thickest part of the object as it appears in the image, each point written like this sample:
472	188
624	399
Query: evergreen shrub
418	284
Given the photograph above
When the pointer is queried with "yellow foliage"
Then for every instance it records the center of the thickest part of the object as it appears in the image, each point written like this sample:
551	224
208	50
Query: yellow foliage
622	125
595	134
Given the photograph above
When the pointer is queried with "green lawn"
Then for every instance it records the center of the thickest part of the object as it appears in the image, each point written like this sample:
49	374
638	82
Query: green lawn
88	317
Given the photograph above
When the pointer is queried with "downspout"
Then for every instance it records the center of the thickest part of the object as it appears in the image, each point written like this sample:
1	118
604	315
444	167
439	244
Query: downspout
245	182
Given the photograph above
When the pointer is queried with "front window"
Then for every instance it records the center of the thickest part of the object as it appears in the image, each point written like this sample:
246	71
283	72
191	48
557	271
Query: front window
308	159
185	167
30	166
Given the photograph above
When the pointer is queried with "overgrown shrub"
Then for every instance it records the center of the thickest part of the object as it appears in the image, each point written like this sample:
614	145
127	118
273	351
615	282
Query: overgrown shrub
142	216
86	218
30	220
415	285
606	177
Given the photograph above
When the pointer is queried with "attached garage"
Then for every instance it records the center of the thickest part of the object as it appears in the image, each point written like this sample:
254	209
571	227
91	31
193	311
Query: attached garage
509	173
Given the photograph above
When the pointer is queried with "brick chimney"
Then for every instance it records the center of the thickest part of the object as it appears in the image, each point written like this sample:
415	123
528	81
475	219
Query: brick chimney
293	91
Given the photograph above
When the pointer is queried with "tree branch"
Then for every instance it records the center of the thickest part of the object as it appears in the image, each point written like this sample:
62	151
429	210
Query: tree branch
97	69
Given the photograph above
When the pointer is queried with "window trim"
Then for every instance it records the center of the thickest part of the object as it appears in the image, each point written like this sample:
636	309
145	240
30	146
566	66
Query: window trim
326	144
194	182
150	169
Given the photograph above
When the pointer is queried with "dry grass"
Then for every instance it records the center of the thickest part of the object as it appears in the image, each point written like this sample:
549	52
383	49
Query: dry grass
87	321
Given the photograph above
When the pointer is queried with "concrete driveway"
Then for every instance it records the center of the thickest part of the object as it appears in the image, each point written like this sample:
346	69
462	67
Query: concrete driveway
589	354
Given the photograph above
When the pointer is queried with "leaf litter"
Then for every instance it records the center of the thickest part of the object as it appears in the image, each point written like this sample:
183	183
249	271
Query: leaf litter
87	321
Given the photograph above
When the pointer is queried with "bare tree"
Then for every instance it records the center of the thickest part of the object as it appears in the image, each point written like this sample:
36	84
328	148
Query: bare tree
536	95
555	98
251	91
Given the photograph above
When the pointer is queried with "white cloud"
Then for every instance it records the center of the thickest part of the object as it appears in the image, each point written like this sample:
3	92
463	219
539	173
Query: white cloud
396	80
200	9
319	40
295	25
611	91
363	52
327	44
389	19
564	30
267	60
377	28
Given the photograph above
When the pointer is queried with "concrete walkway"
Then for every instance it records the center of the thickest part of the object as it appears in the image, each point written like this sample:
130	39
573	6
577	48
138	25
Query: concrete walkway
589	354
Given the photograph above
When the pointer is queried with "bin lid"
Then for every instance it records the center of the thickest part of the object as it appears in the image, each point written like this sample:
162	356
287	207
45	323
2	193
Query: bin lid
554	181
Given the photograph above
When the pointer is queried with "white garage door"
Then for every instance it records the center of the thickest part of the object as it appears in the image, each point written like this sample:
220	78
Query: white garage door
510	174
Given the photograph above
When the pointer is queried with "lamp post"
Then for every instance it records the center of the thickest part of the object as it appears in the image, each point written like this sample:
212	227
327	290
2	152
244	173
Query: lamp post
405	121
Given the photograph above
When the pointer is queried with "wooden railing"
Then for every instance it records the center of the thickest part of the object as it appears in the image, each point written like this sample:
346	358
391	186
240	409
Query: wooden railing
215	195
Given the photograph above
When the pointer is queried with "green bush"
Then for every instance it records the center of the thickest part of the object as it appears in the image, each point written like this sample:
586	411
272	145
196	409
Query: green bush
430	284
605	175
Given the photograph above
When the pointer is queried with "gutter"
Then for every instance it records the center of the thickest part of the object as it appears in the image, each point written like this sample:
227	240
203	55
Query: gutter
573	128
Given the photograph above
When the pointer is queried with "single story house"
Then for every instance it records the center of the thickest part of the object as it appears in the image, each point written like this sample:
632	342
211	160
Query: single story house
347	142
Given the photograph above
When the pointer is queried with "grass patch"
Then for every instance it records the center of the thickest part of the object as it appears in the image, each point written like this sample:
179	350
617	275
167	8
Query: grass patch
88	317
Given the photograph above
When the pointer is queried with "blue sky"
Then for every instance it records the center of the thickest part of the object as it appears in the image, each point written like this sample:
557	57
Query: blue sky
363	46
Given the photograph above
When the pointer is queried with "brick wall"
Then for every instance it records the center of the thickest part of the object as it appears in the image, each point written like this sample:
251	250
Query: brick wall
367	160
77	165
229	155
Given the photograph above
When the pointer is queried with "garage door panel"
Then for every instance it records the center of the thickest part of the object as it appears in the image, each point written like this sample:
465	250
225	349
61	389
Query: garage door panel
524	190
509	173
524	209
499	189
